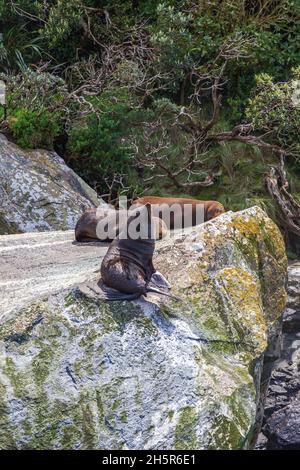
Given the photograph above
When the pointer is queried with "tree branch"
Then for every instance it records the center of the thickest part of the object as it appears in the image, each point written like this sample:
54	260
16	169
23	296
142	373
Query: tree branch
289	209
237	134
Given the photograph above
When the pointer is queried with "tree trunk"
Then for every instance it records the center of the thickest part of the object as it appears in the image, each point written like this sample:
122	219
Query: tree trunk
288	208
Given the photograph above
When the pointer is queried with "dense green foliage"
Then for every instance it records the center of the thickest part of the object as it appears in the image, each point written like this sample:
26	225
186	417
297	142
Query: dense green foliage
95	142
125	88
275	108
38	105
33	129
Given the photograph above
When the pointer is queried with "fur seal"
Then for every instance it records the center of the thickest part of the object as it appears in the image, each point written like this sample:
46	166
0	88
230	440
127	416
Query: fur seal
211	209
127	270
94	223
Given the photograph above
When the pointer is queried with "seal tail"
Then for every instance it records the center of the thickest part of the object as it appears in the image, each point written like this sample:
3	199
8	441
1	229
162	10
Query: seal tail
103	292
158	291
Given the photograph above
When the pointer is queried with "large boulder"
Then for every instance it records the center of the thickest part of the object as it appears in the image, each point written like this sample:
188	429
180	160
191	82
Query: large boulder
79	373
39	191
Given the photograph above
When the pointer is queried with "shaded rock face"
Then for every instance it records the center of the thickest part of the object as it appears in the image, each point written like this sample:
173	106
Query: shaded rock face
78	373
39	191
281	424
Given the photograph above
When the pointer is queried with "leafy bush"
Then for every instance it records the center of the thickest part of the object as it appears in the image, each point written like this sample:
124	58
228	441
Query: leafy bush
97	145
275	108
34	129
38	107
191	35
34	89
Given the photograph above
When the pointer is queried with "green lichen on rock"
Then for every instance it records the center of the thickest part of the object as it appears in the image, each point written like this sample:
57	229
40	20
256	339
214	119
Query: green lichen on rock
243	291
79	373
185	430
226	435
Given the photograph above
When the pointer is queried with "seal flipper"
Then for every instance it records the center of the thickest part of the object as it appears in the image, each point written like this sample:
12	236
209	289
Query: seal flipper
101	291
158	291
158	280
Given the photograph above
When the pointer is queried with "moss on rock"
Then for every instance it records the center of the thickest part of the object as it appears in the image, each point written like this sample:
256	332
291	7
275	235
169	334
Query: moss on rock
79	373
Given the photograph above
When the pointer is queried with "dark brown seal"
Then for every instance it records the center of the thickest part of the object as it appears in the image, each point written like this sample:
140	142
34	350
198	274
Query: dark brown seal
105	226
211	209
127	270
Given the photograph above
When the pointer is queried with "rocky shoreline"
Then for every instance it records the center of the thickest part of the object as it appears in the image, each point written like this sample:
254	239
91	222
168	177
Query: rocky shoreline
281	423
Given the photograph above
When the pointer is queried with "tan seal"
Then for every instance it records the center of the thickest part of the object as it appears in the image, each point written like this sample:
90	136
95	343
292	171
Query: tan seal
185	209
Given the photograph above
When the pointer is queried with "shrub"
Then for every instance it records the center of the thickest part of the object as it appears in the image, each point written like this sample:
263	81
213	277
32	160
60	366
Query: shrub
32	129
275	108
38	107
97	144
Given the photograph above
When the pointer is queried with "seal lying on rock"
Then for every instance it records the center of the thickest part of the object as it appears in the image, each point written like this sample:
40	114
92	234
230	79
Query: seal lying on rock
185	210
127	270
105	226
